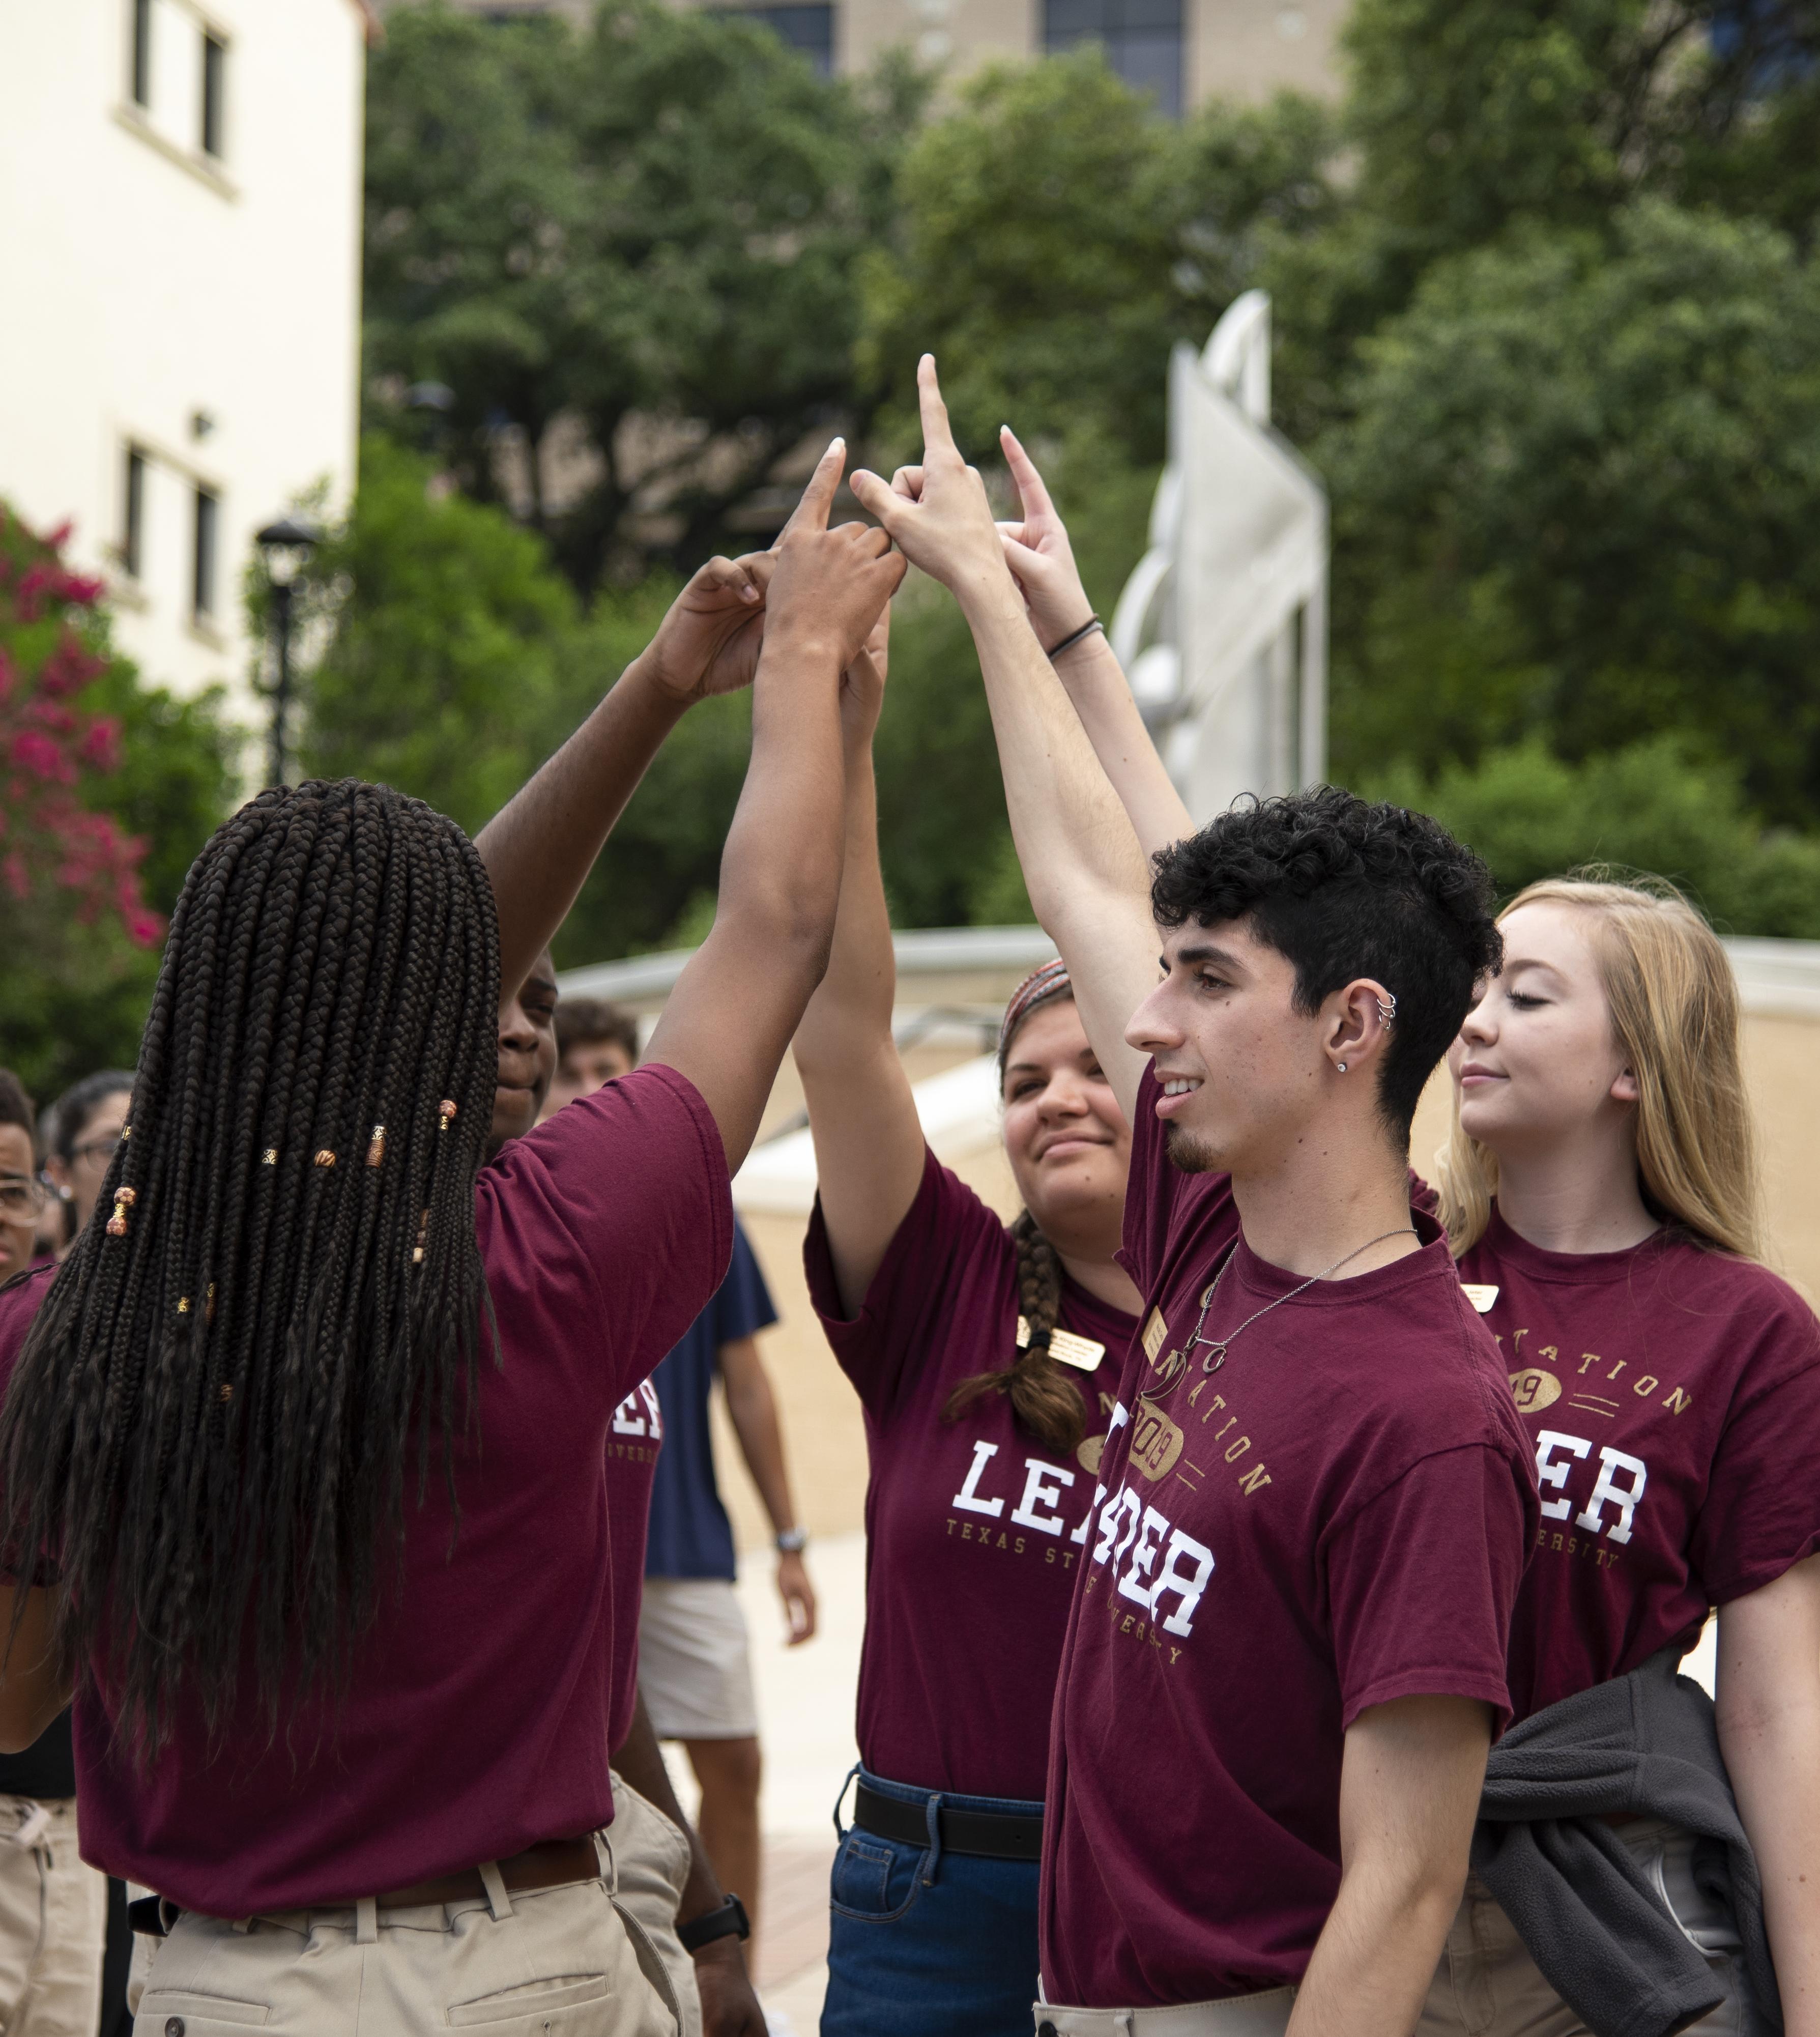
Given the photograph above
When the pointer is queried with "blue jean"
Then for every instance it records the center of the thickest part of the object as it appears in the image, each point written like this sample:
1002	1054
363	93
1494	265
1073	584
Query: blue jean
924	1943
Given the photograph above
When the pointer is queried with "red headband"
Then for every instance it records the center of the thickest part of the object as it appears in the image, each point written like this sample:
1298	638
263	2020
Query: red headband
1051	980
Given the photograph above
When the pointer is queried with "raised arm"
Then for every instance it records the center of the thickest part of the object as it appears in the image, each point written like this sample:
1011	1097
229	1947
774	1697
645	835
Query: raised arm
1769	1705
1042	562
1409	1783
1084	871
540	846
861	1115
737	1002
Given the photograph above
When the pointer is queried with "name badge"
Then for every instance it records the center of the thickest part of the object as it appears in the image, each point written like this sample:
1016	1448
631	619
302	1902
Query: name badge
1081	1352
1481	1297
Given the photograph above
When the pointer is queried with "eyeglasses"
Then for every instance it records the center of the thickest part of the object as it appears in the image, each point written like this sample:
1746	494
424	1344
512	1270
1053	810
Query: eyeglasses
22	1198
102	1149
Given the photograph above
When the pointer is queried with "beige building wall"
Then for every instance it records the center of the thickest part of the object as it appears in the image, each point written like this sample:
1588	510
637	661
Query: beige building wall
822	1428
1232	49
201	304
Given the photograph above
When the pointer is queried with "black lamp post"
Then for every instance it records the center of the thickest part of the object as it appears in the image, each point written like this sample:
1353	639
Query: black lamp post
287	545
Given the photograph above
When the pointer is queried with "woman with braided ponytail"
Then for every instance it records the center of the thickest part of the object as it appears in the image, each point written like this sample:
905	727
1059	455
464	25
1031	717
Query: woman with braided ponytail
304	1448
986	1358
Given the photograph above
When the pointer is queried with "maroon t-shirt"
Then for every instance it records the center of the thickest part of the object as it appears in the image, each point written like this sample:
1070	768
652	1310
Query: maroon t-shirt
1337	1517
975	1531
1672	1398
477	1720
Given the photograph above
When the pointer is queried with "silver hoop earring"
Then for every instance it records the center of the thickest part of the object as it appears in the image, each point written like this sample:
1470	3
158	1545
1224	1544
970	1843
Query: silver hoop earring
1386	1013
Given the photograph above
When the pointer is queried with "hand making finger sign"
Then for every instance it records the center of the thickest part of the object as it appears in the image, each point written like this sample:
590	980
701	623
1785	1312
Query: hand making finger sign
937	514
828	585
1038	550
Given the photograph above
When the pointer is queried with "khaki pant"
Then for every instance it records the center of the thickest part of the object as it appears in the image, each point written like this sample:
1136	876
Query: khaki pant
554	1963
651	1855
53	1922
1265	2015
1488	1986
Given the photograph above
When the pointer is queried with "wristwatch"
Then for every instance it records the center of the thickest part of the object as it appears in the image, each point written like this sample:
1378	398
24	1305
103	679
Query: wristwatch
729	1920
792	1541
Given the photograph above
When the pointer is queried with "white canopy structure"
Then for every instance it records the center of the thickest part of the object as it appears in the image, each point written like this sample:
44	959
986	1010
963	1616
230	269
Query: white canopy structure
1222	628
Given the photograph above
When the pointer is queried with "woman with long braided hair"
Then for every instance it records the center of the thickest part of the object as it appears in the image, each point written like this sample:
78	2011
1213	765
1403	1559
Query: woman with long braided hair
986	1359
304	1448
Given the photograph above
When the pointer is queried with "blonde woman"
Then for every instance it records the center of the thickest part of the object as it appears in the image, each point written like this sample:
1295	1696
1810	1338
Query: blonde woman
1600	1192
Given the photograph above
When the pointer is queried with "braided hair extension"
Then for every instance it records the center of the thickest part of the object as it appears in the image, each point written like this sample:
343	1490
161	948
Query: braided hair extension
208	1430
1042	1396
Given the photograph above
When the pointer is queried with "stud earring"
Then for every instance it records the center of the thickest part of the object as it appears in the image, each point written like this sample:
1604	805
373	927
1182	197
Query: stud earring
1342	1068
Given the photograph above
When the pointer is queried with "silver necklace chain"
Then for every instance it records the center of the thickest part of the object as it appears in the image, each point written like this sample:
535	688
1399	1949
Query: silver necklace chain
1219	1346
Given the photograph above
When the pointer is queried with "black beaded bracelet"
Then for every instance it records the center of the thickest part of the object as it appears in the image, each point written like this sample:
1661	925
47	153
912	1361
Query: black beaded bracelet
1073	638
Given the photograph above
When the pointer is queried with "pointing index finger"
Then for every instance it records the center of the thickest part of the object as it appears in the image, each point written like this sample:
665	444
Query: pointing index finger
1031	492
936	436
811	513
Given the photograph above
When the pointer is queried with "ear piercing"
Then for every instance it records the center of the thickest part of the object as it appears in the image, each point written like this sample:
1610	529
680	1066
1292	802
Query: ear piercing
1386	1013
1342	1068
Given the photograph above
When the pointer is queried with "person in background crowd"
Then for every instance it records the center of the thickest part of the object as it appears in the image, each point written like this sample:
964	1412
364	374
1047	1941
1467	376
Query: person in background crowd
1286	1657
427	1842
22	1193
79	1133
1600	1188
666	1878
53	1907
595	1042
695	1670
986	1359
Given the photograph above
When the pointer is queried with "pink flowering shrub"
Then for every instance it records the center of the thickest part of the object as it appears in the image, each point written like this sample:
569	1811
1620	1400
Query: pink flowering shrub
55	847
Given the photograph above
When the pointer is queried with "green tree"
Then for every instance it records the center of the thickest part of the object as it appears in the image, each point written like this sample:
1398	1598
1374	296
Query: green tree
1576	500
1646	807
643	235
448	632
1057	238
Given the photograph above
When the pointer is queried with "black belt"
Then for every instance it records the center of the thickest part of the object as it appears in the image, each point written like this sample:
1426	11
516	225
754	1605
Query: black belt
988	1834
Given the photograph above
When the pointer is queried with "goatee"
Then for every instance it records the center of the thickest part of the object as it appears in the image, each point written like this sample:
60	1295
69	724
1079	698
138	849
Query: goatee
1189	1155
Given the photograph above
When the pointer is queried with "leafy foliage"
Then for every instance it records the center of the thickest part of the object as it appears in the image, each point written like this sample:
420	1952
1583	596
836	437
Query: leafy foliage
1576	497
1646	807
646	233
94	767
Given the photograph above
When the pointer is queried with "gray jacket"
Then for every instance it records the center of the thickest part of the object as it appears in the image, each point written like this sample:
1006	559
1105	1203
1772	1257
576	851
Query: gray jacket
1644	1745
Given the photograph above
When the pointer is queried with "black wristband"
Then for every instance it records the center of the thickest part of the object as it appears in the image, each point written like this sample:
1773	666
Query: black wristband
1073	638
727	1922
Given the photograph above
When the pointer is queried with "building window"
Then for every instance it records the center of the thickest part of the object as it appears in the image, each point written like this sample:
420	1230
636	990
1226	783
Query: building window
1142	40
207	517
141	52
133	517
808	30
214	92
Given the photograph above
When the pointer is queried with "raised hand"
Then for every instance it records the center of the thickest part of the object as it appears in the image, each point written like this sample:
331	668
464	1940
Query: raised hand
937	514
862	684
1038	550
708	640
829	586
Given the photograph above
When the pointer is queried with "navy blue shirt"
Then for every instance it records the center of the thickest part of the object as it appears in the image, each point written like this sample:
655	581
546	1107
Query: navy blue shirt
690	1534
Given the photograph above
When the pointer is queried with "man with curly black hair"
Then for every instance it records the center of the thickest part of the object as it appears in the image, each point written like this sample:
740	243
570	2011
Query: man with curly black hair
1286	1656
